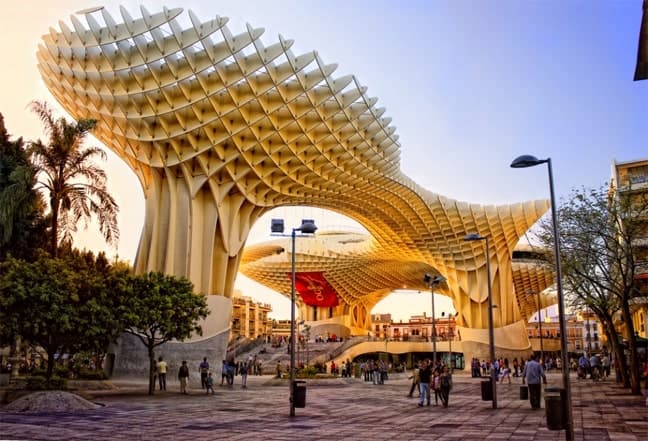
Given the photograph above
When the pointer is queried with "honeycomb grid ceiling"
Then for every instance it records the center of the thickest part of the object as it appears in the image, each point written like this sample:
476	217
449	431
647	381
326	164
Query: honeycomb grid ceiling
220	127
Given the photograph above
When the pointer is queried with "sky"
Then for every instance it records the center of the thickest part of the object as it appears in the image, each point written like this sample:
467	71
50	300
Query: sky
470	85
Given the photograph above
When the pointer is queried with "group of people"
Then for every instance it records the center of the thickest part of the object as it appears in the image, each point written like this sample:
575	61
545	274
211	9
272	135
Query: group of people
504	369
228	369
345	369
596	366
376	371
428	377
531	371
231	368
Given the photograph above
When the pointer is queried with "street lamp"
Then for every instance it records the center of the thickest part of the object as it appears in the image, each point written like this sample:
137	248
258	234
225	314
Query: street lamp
450	335
540	325
307	329
300	349
531	161
491	332
432	282
307	227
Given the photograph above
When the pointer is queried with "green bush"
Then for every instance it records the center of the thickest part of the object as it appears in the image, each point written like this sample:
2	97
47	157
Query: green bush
39	382
36	372
61	371
307	372
321	367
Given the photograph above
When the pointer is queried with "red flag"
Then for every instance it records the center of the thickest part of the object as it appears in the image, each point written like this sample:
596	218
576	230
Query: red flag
315	290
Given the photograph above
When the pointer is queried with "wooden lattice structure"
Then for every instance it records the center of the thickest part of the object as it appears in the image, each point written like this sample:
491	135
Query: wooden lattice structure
220	127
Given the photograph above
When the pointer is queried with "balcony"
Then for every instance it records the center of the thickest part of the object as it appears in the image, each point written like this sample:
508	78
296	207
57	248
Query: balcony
641	268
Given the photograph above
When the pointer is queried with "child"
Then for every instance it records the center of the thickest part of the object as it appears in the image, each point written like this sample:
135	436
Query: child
437	386
209	383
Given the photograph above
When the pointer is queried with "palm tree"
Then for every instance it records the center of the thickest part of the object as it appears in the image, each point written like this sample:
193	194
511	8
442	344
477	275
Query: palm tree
21	207
75	185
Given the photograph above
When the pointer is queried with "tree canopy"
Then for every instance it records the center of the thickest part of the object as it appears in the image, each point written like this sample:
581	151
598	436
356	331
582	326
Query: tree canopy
74	184
59	304
162	308
597	230
22	224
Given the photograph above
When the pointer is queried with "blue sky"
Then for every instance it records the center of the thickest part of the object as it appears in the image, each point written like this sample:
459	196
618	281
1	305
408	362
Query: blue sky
470	85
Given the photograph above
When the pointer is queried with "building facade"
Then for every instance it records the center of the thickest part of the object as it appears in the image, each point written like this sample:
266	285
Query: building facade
631	177
584	333
249	318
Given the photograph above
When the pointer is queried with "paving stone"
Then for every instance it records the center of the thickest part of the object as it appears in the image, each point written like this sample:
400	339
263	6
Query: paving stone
348	409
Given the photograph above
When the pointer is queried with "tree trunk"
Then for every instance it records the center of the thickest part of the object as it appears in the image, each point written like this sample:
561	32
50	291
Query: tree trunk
151	354
620	365
50	363
617	349
635	385
55	212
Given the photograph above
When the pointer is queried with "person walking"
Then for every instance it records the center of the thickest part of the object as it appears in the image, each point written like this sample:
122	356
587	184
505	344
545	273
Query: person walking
425	375
183	376
416	380
209	383
436	385
445	380
278	370
224	372
605	365
203	368
162	371
516	367
506	372
534	373
243	371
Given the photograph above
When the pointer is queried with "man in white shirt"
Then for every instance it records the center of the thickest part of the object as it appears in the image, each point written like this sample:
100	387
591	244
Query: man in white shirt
533	373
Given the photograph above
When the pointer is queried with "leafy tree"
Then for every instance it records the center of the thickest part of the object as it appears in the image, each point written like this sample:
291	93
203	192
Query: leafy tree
39	303
597	231
64	304
162	308
101	295
76	187
22	225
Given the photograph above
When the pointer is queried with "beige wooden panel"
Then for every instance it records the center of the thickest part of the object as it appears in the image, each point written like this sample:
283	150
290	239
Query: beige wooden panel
220	127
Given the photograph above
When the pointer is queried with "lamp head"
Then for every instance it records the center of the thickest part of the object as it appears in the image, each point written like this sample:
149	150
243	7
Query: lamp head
277	226
473	236
436	280
307	226
526	161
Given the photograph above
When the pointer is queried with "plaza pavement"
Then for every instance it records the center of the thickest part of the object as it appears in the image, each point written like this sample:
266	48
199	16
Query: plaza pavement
336	409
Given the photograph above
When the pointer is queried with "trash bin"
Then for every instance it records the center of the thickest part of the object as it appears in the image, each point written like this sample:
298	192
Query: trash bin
299	394
524	392
487	389
556	408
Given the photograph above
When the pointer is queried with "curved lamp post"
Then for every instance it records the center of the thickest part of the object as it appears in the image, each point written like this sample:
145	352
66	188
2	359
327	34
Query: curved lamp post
491	332
432	282
451	334
542	360
307	227
525	161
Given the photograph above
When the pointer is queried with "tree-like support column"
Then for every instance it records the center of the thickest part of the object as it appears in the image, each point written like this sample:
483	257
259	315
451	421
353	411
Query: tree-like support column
191	234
